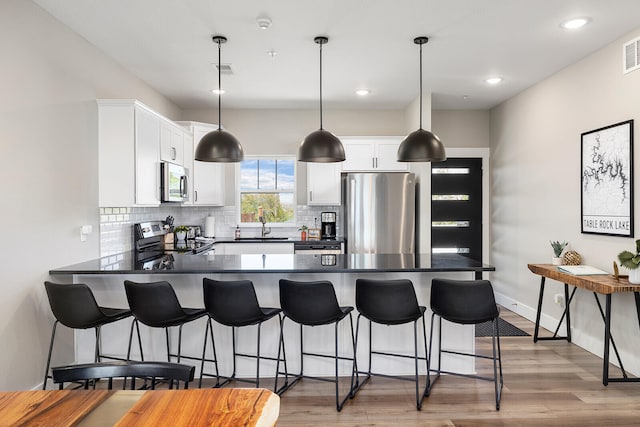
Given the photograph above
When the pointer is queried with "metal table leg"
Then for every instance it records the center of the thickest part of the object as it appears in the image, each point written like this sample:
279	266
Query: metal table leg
566	312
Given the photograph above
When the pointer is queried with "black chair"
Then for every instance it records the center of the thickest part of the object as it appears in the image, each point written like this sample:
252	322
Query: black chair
156	305
314	304
75	307
466	302
90	373
392	302
235	304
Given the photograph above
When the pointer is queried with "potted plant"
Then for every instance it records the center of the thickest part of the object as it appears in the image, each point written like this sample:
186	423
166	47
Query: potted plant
631	261
303	232
181	232
557	251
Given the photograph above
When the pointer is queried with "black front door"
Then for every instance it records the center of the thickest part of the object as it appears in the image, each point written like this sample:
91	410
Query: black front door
456	207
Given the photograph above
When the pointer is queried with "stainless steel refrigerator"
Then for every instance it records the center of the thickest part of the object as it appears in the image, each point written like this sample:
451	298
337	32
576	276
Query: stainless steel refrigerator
378	210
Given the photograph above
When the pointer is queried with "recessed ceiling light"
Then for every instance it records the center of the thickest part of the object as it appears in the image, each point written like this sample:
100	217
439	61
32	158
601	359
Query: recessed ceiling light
363	92
574	24
272	53
217	91
465	96
493	80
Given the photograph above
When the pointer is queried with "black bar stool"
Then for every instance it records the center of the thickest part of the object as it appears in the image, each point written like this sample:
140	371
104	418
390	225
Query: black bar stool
392	302
75	307
234	304
467	302
314	304
156	305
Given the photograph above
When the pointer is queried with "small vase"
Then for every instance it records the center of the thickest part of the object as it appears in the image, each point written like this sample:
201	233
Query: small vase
634	276
556	260
303	235
181	235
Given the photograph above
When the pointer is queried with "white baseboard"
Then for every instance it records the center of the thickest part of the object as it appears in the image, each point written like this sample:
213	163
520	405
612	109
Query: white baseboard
594	346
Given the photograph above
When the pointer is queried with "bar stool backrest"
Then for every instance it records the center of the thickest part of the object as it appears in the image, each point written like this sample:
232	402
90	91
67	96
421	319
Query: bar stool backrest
309	303
389	302
74	305
153	303
232	303
463	301
128	369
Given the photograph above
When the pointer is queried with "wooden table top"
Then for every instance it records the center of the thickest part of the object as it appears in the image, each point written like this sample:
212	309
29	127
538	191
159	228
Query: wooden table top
599	283
125	408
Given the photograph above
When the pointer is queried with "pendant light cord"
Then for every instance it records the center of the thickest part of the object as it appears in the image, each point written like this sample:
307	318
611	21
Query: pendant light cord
220	86
320	86
420	86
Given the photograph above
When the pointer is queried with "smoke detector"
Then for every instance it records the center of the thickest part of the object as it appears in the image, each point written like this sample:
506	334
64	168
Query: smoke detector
264	23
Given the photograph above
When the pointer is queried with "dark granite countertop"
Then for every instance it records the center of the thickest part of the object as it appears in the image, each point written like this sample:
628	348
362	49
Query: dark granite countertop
179	263
276	240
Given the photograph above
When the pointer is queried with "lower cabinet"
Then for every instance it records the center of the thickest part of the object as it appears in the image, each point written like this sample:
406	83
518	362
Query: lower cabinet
253	248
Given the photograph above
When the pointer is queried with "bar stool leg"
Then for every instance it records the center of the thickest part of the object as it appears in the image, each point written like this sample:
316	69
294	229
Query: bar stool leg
46	369
135	323
415	360
284	359
166	334
258	358
97	356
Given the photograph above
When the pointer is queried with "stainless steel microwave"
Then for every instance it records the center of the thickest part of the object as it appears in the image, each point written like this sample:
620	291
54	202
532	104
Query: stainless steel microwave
174	183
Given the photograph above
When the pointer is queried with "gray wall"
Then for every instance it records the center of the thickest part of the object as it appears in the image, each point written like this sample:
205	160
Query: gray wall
49	80
535	176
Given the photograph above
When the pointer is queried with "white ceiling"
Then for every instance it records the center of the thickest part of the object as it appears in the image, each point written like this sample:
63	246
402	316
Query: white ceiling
167	43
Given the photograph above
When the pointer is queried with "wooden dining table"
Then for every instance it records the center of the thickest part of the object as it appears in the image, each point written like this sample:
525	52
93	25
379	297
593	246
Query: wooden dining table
125	408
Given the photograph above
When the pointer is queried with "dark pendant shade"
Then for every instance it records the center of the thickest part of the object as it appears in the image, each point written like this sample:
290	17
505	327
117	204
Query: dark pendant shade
321	146
421	146
219	146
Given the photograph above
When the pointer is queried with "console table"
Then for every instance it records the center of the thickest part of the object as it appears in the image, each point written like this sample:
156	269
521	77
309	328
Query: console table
605	284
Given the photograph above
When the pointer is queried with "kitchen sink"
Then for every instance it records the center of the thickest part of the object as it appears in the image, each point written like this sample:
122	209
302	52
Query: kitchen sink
261	239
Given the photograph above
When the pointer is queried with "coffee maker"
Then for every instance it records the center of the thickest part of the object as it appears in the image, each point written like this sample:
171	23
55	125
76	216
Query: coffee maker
328	225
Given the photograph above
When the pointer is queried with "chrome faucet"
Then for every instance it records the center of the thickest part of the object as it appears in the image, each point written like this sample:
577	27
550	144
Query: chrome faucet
265	230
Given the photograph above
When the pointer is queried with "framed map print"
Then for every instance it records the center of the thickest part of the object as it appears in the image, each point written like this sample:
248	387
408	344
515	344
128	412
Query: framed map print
607	180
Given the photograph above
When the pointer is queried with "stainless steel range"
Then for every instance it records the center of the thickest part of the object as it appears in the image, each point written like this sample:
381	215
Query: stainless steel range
149	239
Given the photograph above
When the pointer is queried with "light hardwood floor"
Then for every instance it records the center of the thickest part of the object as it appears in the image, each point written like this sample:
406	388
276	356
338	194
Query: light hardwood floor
551	383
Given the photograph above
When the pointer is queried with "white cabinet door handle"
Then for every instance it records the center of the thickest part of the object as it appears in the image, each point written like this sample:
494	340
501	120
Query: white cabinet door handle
311	196
195	195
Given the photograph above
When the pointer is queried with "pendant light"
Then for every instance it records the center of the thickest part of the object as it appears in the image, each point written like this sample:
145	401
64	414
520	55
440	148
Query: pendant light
219	145
321	146
421	145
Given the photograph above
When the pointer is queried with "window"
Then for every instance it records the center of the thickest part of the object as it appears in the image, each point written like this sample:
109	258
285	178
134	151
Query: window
267	185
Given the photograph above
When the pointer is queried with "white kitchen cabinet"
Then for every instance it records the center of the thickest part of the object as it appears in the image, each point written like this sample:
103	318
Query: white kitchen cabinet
128	154
207	177
253	248
172	143
188	164
323	183
372	154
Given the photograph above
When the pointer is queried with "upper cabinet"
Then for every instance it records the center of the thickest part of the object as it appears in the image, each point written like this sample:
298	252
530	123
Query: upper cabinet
207	178
128	154
172	143
323	183
372	154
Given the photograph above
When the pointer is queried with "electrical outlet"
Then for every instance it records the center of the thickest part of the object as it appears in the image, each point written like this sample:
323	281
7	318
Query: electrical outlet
559	299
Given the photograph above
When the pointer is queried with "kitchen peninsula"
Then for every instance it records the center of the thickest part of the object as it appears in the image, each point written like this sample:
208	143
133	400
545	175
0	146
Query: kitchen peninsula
185	272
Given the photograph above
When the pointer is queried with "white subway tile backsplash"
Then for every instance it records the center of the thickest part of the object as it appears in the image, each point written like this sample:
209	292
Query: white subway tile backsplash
116	223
